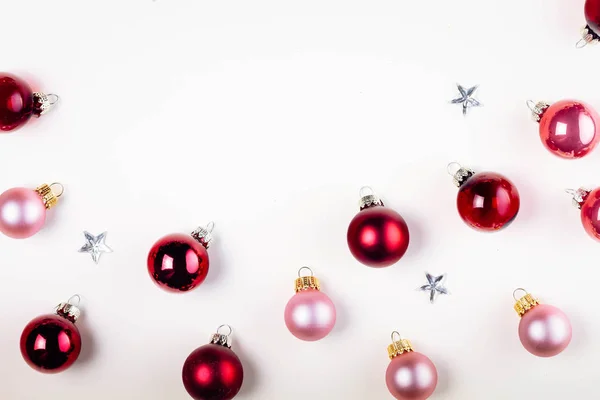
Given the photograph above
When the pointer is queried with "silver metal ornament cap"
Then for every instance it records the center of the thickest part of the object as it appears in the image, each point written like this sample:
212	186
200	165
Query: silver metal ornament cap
220	338
204	234
459	173
368	198
42	103
579	196
69	310
537	109
588	36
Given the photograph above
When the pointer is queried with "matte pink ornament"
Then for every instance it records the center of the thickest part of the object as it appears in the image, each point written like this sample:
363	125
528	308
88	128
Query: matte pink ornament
410	375
544	330
23	210
309	315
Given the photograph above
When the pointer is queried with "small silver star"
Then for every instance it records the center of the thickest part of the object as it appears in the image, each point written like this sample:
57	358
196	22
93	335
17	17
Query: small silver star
466	98
95	245
434	286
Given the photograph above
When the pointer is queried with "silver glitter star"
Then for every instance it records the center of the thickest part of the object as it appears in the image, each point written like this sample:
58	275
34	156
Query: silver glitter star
434	286
95	245
466	98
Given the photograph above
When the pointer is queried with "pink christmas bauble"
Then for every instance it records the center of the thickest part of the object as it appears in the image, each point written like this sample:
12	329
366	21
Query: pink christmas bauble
545	331
411	376
310	315
22	213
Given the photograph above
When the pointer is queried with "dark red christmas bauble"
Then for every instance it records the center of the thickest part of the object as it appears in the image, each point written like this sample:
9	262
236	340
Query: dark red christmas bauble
378	236
178	262
488	201
50	343
16	102
212	372
592	15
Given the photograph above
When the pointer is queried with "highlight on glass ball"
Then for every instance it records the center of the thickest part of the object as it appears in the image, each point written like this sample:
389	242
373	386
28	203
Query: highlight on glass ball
588	201
310	314
213	371
486	201
377	236
410	375
23	210
18	103
178	262
51	343
544	330
568	128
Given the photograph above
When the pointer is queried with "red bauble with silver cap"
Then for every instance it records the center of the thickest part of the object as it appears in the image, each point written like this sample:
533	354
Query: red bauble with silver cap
377	236
18	103
23	210
486	201
568	128
410	375
588	201
179	262
51	343
590	34
213	371
544	330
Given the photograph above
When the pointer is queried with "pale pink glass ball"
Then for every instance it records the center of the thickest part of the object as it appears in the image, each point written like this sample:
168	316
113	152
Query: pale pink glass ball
411	376
545	331
22	213
310	315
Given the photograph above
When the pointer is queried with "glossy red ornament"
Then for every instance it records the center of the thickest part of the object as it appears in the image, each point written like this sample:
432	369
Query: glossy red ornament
377	236
178	262
486	201
51	343
591	32
568	128
588	201
18	102
213	371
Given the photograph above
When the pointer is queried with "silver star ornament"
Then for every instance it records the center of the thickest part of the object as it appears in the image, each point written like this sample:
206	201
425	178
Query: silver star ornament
434	286
95	245
466	98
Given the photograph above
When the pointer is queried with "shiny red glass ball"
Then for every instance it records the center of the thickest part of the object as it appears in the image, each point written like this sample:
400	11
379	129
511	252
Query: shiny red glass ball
178	263
590	213
569	128
488	201
50	343
16	102
592	15
378	236
212	372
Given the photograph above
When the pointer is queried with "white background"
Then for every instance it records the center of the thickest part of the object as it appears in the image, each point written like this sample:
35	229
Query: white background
267	116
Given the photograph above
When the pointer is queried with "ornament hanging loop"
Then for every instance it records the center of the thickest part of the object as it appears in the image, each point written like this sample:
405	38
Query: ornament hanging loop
396	337
525	292
42	103
310	272
368	198
578	196
203	234
69	309
220	338
459	173
225	326
453	168
61	188
537	109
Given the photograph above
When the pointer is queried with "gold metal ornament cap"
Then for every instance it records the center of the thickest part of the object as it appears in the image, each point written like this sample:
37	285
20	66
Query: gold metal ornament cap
305	282
524	303
399	346
49	197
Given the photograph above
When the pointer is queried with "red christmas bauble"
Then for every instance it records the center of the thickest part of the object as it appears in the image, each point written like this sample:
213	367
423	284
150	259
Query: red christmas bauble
178	262
569	128
50	343
377	236
590	211
212	372
592	15
487	201
16	102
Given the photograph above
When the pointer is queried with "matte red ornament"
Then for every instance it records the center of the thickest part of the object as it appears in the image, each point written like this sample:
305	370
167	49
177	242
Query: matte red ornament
179	262
591	32
588	201
486	201
568	128
51	343
213	371
377	236
18	102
